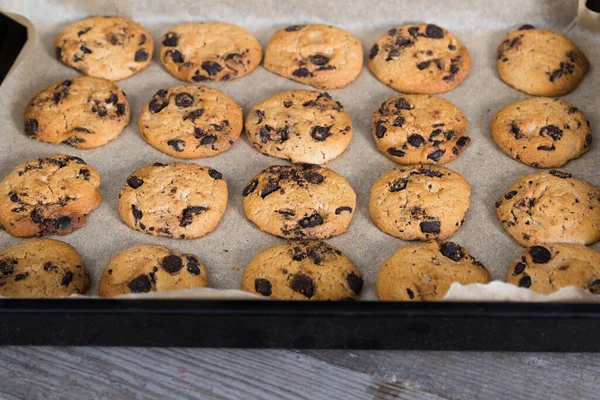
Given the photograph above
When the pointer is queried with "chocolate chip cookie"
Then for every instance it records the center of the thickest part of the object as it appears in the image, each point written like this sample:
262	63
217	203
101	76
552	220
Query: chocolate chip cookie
318	55
177	200
540	62
419	128
542	132
421	58
420	202
300	201
151	268
550	207
216	51
82	112
42	268
191	121
48	196
112	48
303	270
303	126
425	271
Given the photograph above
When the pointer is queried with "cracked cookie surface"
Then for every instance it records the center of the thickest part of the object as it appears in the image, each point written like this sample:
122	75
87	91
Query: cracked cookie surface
540	62
178	200
411	129
300	201
42	268
217	51
303	126
542	132
151	268
420	202
82	112
550	207
421	58
48	196
303	270
191	121
322	56
112	48
425	271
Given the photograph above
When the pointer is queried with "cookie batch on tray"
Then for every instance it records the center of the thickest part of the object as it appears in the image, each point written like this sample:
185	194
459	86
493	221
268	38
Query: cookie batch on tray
551	213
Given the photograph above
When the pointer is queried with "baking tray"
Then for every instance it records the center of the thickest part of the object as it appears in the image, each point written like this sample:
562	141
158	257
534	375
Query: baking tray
241	323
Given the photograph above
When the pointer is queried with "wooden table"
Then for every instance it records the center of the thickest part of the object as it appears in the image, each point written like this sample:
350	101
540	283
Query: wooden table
147	373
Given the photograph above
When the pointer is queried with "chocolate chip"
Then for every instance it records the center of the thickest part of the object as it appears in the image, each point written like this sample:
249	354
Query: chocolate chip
262	286
526	27
319	59
135	182
213	173
560	174
452	250
271	186
399	121
540	254
340	210
13	197
301	73
85	49
142	40
250	188
286	212
416	140
177	144
31	127
434	32
411	294
395	52
519	268
422	65
525	281
355	282
175	55
311	221
320	133
451	47
194	115
141	55
374	51
187	215
63	223
516	131
170	39
303	284
212	68
20	277
172	264
192	265
199	78
184	100
432	226
395	152
313	177
463	141
157	104
546	148
286	104
510	194
553	131
380	129
67	279
120	110
141	284
294	28
436	155
137	213
402	104
398	185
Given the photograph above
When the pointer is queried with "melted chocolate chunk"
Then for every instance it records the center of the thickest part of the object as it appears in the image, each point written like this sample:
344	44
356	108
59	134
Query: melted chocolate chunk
213	173
311	221
271	186
184	100
262	286
436	155
294	28
402	104
67	279
463	141
137	213
526	27
560	174
432	226
380	129
85	173
319	59
452	250
177	144
525	281
355	283
540	254
422	65
313	177
206	140
340	210
250	188
519	268
320	133
546	148
301	73
172	264
141	55
192	265
398	185
374	51
135	182
7	266
396	152
31	127
416	140
212	68
510	194
187	215
434	32
170	39
303	284
194	115
594	287
553	131
141	284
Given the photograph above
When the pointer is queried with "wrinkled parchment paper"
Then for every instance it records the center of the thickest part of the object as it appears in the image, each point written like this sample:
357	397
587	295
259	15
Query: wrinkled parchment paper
480	25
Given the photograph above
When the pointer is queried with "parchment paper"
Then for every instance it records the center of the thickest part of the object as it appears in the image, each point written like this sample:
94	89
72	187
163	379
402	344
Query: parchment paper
479	25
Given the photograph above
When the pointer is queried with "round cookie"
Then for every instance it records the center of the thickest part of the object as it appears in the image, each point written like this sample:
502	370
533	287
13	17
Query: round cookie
303	126
540	63
419	59
112	48
542	132
217	51
550	207
82	112
418	128
48	196
183	201
42	268
425	271
546	269
420	202
191	121
303	270
322	56
300	201
151	268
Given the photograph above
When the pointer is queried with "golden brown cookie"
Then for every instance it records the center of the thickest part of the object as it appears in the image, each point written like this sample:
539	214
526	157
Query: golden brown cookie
540	62
542	132
419	128
48	196
425	271
151	268
545	269
550	207
218	51
191	121
419	59
42	268
82	112
420	202
300	201
182	201
303	126
112	48
318	55
303	270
